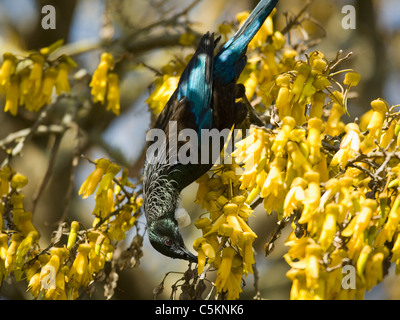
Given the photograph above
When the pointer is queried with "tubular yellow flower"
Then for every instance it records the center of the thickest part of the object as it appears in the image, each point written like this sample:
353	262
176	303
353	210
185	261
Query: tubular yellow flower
295	197
333	126
390	227
312	271
329	226
113	96
3	246
361	220
62	83
314	139
313	196
7	69
224	269
12	250
247	252
380	108
22	251
282	138
107	180
303	71
48	82
205	250
317	104
374	268
35	76
18	181
72	234
352	79
298	159
349	146
12	95
79	271
274	182
99	79
23	221
5	174
362	260
92	181
35	285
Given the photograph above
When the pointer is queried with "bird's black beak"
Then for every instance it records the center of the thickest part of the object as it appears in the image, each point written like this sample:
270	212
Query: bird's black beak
189	256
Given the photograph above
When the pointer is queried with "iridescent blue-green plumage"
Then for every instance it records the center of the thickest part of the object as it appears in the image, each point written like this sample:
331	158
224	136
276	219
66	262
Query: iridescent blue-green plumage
204	99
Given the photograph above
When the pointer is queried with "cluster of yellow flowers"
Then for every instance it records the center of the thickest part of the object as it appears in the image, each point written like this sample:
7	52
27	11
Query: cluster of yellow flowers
343	211
62	272
116	210
17	234
29	80
105	84
227	239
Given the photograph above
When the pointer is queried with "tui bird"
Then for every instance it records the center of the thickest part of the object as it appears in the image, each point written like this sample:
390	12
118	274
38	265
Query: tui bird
204	99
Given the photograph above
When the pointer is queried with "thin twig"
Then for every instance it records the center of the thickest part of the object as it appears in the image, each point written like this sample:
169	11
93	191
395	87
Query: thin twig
49	172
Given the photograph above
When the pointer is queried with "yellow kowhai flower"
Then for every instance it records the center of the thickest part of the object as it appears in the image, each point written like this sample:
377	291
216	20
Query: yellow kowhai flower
12	250
23	221
99	80
113	96
391	225
12	95
46	90
349	146
329	226
18	181
274	183
334	126
282	137
22	251
34	285
93	180
5	174
282	102
7	69
205	250
79	271
245	245
380	108
303	71
295	197
298	159
73	233
123	222
104	205
36	73
314	139
311	203
224	270
374	267
62	83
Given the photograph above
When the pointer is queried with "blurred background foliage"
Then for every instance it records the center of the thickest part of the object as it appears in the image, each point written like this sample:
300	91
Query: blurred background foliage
143	35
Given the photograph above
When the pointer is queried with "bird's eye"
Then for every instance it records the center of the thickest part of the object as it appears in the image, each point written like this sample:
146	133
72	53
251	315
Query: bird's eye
168	242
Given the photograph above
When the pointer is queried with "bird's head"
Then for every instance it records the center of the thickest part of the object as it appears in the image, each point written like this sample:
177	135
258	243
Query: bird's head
165	237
